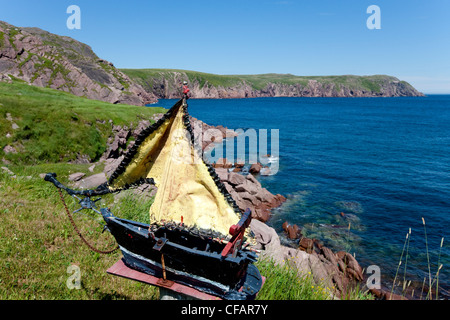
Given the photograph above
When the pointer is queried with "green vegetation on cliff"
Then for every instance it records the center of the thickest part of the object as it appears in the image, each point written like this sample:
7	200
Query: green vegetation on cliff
143	75
343	85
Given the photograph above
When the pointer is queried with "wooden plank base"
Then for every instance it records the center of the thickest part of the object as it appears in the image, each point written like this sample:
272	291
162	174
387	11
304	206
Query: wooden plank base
121	270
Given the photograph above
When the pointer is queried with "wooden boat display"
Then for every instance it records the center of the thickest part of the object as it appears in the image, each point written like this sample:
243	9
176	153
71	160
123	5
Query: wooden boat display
197	236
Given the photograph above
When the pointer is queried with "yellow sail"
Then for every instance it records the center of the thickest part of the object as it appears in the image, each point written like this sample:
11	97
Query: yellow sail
188	190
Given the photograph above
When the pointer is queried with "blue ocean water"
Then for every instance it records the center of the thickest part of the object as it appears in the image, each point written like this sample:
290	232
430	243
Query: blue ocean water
384	163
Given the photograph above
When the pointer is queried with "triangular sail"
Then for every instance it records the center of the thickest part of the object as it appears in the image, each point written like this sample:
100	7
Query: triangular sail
189	190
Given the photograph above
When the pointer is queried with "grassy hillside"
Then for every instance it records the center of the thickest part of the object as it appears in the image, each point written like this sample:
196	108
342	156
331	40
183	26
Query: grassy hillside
55	126
38	243
369	83
143	75
146	77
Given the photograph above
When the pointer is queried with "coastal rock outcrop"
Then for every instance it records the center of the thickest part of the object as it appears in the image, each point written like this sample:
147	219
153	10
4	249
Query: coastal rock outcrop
292	231
44	59
205	135
248	193
336	271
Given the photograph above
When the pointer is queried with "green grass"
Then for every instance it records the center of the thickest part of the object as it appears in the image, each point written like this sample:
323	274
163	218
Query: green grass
38	243
57	126
430	286
132	207
2	39
285	282
260	81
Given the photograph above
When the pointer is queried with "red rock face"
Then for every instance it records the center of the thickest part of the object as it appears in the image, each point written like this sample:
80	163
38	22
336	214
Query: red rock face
248	193
47	60
292	231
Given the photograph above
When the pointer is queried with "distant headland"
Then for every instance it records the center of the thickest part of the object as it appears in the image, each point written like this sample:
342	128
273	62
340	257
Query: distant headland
164	83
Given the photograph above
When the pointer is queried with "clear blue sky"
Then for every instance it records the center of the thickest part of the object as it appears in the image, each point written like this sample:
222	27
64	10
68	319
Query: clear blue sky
328	37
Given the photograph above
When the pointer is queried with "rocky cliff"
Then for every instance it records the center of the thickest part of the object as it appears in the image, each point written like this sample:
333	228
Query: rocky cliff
44	59
166	83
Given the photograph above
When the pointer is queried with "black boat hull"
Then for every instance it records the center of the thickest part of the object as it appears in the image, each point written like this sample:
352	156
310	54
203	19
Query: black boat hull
177	255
